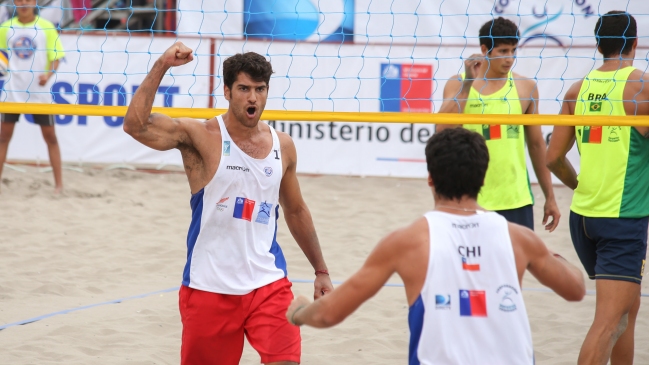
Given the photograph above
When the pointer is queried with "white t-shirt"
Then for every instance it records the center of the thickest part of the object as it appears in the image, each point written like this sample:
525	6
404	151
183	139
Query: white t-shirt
31	48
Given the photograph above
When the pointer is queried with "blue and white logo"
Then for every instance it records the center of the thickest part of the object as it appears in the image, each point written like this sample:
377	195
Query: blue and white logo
442	301
268	171
507	304
264	213
226	148
299	20
23	47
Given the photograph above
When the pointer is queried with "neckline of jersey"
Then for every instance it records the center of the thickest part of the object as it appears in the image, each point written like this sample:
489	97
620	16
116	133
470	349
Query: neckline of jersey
270	153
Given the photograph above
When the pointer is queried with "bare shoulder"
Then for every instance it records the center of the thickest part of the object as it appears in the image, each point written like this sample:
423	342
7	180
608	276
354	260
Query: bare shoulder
409	238
639	82
528	84
284	138
573	91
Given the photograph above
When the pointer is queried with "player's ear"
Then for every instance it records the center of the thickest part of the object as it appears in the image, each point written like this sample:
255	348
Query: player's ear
484	49
226	92
430	181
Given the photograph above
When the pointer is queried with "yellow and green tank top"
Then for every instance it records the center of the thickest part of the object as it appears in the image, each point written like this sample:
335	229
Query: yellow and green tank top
507	184
614	166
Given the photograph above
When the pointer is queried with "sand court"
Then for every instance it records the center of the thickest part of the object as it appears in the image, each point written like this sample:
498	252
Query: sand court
121	234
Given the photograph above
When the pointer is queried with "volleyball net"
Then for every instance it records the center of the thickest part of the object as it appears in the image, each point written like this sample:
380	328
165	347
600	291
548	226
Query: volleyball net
352	60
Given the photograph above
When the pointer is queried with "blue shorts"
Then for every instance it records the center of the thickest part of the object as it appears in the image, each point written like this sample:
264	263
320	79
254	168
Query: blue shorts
523	216
611	248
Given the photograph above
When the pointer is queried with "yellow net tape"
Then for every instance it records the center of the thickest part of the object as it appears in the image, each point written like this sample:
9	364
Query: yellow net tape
318	116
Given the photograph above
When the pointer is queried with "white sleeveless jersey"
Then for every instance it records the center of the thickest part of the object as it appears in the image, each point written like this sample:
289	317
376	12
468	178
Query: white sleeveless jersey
471	308
231	244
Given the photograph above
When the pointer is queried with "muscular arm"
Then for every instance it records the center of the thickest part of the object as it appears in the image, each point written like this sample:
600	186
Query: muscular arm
157	131
563	138
556	273
364	284
298	217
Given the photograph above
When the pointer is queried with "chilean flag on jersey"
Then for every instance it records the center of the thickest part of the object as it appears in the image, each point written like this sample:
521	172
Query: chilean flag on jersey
473	303
243	208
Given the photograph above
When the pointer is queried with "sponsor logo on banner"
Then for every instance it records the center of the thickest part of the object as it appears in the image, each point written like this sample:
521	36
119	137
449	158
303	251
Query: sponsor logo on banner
295	20
226	148
473	303
506	302
406	88
243	209
268	171
220	206
442	301
263	216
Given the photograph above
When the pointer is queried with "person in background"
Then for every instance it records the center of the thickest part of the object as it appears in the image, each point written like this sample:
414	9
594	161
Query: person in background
34	49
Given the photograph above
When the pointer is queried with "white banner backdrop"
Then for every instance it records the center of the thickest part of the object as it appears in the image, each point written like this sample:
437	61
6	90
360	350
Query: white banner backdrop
98	70
541	22
308	76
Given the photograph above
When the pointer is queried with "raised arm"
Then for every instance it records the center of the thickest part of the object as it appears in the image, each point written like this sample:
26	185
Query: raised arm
456	90
562	140
157	131
298	217
551	270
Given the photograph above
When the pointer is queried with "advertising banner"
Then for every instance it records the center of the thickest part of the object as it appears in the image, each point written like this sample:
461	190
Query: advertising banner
97	71
542	23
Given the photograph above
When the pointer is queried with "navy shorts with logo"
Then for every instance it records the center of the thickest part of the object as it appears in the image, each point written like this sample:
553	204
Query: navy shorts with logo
523	216
610	248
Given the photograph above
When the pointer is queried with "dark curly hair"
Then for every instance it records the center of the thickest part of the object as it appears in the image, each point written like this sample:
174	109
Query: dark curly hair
253	64
457	161
498	31
615	32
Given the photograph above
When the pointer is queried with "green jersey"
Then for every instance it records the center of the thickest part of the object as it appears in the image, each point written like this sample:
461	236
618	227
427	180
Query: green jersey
507	184
614	166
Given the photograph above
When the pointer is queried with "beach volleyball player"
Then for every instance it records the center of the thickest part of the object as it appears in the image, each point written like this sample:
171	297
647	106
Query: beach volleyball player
462	268
489	86
609	215
240	171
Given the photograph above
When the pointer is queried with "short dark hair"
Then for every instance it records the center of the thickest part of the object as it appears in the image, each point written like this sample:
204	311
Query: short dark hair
615	32
253	64
498	31
457	161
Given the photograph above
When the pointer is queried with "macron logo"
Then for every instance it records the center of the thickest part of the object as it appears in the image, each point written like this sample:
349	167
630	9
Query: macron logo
237	168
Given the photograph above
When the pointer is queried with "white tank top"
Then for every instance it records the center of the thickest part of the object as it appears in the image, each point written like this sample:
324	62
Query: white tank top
471	308
231	243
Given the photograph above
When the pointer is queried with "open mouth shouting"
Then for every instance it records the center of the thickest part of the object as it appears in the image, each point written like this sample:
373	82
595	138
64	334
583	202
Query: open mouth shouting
251	111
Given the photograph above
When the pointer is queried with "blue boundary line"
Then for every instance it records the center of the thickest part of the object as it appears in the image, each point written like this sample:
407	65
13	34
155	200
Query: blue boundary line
176	288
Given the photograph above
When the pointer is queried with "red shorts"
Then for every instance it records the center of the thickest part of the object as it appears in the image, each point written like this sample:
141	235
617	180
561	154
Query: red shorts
214	325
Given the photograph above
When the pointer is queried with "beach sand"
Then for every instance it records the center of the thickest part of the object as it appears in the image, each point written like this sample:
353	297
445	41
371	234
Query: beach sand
118	234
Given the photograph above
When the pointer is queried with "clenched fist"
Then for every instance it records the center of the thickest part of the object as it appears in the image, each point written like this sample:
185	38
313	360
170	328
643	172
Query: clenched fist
177	55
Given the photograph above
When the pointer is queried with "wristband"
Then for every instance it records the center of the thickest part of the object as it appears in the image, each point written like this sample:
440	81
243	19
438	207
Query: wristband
293	315
323	272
